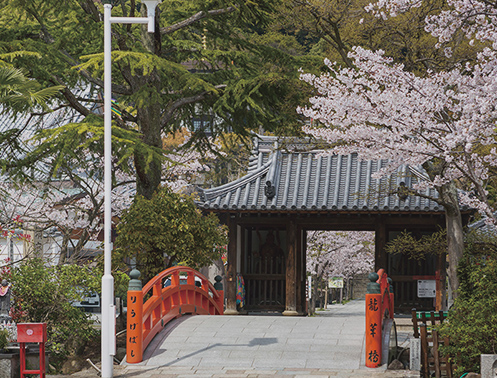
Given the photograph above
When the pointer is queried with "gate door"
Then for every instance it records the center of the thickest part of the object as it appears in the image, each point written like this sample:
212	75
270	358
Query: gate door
264	269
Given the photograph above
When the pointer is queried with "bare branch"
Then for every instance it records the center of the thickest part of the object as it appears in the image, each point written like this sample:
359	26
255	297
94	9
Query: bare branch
89	7
166	117
72	99
116	88
195	18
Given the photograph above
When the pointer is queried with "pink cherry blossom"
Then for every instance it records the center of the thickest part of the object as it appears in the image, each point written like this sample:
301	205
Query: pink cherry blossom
379	110
340	253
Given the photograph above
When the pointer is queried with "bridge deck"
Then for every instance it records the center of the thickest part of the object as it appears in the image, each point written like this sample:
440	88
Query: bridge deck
334	339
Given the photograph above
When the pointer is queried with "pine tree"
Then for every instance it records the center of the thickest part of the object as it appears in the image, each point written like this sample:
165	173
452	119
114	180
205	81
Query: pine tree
203	62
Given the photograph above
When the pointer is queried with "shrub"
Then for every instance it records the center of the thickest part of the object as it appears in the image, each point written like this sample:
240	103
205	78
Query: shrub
472	321
4	338
166	230
44	294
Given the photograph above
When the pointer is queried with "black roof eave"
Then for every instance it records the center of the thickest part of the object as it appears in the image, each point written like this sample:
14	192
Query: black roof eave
327	211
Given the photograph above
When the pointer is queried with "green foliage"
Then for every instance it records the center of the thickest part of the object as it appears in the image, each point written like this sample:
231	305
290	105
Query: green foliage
71	145
213	65
231	164
472	322
121	281
418	248
20	94
44	294
4	338
165	230
331	28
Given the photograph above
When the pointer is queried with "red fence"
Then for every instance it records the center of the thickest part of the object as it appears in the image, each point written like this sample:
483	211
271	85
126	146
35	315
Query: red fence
379	306
174	292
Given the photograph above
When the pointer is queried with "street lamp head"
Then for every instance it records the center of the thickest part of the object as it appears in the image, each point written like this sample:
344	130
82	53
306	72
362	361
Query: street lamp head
151	4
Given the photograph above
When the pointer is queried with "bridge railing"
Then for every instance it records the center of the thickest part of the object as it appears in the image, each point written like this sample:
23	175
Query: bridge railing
170	294
379	314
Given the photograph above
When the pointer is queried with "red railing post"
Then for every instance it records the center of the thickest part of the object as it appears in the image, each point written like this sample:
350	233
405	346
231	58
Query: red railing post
134	334
373	322
190	278
175	278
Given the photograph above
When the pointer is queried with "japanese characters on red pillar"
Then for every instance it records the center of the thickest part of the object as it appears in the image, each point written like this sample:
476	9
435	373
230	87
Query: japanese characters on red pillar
134	350
373	330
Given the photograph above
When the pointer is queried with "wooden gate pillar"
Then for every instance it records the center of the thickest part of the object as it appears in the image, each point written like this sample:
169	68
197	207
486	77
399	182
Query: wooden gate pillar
380	258
231	273
301	272
291	270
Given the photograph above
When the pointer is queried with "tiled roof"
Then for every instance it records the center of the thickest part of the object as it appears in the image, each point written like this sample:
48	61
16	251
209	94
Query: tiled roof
306	180
484	225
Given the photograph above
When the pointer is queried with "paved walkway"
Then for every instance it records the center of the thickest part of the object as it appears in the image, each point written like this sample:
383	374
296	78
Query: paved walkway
191	372
269	342
329	344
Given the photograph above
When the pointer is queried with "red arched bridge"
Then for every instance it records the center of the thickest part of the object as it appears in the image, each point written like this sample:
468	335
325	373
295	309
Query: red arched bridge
180	290
170	294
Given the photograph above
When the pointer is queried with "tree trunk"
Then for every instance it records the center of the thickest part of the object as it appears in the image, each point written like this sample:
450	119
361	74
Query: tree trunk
63	249
314	296
83	238
38	243
148	173
326	297
455	233
453	221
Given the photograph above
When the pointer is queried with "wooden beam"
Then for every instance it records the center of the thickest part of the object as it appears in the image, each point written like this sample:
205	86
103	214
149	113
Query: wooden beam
231	271
300	273
364	222
303	290
380	258
291	270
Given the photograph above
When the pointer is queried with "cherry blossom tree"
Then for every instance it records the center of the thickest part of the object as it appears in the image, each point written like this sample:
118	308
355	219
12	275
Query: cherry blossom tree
73	204
338	254
73	213
477	19
441	122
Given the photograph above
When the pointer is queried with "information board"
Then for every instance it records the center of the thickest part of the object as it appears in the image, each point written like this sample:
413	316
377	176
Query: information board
335	283
427	288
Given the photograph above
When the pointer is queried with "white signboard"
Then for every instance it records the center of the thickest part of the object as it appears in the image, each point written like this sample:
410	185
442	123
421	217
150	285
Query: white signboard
309	287
335	283
427	288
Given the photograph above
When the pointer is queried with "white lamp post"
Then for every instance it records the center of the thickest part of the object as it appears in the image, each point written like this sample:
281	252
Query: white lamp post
108	308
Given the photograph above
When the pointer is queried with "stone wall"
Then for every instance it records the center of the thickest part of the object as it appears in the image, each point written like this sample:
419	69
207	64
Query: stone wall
359	285
9	365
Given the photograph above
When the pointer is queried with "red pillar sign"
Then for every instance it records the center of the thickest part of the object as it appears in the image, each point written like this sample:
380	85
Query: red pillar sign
373	330
134	348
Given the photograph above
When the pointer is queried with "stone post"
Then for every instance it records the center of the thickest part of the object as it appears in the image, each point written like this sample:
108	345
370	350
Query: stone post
218	285
488	365
415	354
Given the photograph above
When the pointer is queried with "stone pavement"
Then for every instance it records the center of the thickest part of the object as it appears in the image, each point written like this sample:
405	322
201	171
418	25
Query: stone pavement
220	372
329	344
